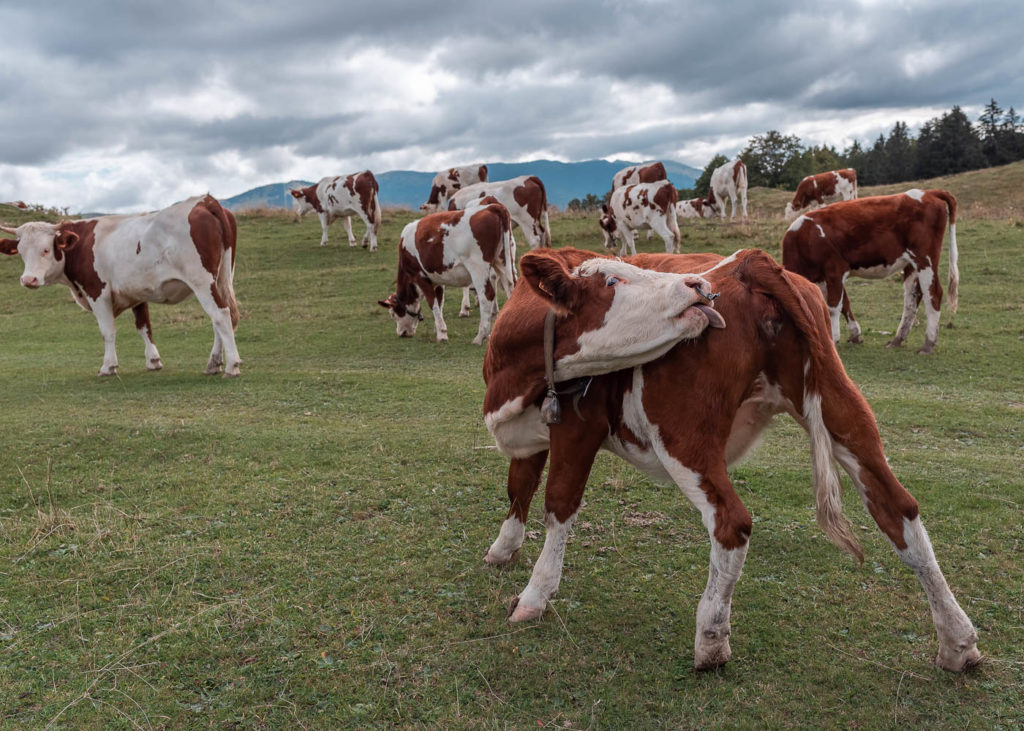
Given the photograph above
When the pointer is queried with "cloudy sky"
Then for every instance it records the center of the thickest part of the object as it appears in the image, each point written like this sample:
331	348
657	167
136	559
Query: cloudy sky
131	105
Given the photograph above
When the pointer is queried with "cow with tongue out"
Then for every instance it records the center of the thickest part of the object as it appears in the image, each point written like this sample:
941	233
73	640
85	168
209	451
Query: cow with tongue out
647	367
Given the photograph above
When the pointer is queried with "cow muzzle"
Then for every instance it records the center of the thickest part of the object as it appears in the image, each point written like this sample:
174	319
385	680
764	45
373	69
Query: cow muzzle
30	282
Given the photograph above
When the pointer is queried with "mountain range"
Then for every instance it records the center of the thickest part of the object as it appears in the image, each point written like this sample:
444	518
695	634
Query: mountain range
410	188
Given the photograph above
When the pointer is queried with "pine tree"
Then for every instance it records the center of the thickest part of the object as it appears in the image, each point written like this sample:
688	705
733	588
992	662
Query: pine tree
992	137
899	153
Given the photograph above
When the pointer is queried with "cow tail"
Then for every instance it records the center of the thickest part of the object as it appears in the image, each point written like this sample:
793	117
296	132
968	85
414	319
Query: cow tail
952	291
508	278
762	273
376	210
226	272
673	222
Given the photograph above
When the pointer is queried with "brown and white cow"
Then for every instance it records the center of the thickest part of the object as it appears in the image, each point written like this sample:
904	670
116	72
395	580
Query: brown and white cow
639	206
651	173
337	197
694	208
525	199
819	190
471	247
448	181
115	263
686	416
728	181
873	238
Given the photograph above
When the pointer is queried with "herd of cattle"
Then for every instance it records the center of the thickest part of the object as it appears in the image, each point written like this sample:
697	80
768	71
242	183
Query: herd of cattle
675	362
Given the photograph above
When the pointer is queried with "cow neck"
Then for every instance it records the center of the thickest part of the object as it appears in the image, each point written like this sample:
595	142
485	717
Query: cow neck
551	408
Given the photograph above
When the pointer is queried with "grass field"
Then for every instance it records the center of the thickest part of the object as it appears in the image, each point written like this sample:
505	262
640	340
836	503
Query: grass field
303	546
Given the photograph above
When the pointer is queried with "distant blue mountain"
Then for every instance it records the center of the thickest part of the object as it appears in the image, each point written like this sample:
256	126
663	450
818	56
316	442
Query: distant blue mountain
562	180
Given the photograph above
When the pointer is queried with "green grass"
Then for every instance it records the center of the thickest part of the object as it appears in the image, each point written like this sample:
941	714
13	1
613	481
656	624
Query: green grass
303	546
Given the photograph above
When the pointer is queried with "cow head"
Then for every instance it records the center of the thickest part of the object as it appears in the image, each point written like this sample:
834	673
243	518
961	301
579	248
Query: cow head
608	226
623	315
406	315
791	213
42	247
301	202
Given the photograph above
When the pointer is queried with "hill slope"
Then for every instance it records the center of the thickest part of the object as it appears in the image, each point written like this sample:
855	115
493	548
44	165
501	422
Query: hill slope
409	188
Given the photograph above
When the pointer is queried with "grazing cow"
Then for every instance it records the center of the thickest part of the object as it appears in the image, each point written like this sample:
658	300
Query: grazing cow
115	263
448	181
873	238
639	174
473	246
638	206
729	180
334	197
818	190
525	199
694	208
685	417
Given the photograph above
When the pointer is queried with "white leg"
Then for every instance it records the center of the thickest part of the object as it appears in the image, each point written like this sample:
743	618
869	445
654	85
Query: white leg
911	301
958	641
930	289
348	231
440	328
145	330
223	336
105	319
509	540
629	237
711	642
323	225
488	311
464	308
743	199
547	572
662	229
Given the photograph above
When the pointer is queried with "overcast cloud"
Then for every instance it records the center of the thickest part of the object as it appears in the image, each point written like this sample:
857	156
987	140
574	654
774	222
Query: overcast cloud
128	106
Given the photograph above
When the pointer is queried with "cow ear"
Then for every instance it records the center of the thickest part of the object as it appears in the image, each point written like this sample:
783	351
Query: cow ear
65	239
386	304
551	280
296	193
9	246
604	208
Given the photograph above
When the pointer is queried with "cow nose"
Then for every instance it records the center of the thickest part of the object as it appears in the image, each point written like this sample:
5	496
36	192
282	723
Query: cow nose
30	282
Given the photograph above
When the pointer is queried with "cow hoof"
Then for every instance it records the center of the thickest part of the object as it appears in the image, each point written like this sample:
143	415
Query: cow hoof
233	372
154	365
212	368
855	339
323	243
713	656
894	344
517	613
478	341
442	339
956	661
463	313
112	371
352	242
495	560
926	349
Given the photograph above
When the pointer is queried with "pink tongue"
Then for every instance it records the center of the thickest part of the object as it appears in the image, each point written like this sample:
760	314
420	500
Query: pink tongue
714	319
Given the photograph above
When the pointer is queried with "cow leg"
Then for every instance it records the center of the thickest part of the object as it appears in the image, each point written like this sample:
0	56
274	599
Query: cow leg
523	479
629	241
465	307
852	326
911	302
929	283
324	223
348	231
574	444
661	227
896	513
142	324
104	312
743	200
835	294
435	298
223	333
729	526
486	295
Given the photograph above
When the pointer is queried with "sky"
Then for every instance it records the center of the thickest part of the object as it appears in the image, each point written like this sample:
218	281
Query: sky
129	106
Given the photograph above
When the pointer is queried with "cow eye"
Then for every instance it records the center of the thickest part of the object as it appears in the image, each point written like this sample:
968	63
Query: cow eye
612	281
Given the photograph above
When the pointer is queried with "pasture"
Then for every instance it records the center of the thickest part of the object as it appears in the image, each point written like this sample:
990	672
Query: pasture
303	546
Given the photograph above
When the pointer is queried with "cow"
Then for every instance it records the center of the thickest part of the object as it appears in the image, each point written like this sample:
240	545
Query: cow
448	181
729	180
819	190
639	174
694	208
473	246
116	263
684	414
873	238
525	199
334	197
638	206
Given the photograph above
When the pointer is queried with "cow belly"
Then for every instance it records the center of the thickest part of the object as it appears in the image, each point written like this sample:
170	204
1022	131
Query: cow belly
880	271
457	276
168	293
643	458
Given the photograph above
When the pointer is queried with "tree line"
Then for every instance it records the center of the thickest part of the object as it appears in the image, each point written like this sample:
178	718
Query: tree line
944	145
